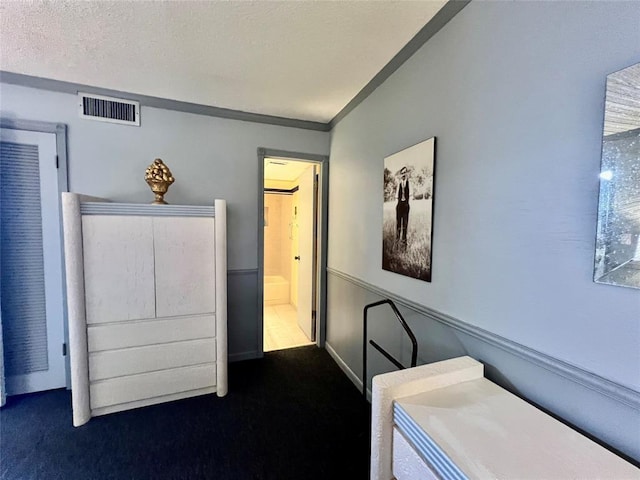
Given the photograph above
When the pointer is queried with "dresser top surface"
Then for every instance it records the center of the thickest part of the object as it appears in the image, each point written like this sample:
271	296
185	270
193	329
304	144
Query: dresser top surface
488	432
141	209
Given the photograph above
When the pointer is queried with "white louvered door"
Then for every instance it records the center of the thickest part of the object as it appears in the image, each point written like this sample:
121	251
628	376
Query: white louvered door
31	295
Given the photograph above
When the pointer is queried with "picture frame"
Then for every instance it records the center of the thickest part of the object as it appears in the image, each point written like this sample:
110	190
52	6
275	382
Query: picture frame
408	191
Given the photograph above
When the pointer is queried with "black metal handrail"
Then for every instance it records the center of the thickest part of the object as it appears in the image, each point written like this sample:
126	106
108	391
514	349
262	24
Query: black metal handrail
412	337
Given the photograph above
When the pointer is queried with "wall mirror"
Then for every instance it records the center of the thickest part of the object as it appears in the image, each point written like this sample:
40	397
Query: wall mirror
617	259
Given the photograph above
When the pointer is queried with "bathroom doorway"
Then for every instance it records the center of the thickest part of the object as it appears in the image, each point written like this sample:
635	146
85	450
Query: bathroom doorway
292	250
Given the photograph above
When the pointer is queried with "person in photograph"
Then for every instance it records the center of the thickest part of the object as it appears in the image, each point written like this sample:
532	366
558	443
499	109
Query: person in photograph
402	207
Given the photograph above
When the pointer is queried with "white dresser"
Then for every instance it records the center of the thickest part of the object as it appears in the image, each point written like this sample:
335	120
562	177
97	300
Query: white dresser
146	297
446	421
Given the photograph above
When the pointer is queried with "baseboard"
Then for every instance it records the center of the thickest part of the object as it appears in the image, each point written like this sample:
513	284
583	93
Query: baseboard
345	368
242	271
251	355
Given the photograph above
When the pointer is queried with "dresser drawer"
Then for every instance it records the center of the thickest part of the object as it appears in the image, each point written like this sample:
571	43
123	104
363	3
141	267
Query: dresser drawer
407	464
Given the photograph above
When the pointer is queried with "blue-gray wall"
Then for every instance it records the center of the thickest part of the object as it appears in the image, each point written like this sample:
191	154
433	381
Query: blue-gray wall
209	157
514	93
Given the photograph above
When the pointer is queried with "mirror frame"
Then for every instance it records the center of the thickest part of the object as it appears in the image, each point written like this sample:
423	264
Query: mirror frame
617	255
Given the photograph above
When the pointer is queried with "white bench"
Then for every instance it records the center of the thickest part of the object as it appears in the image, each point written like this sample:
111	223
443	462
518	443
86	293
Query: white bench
446	421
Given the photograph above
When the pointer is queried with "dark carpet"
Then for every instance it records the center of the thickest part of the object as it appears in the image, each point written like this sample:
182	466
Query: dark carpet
290	415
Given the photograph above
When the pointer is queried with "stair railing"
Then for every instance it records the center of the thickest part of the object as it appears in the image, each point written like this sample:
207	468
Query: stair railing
412	337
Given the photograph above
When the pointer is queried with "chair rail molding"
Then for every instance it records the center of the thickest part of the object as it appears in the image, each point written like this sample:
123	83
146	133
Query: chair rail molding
599	384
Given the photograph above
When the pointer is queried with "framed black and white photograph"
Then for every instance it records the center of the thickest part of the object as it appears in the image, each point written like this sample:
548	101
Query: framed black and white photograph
408	210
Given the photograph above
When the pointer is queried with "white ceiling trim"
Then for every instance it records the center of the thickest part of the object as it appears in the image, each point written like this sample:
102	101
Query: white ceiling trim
157	102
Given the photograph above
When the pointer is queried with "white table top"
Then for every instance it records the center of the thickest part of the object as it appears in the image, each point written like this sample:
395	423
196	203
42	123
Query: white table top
487	432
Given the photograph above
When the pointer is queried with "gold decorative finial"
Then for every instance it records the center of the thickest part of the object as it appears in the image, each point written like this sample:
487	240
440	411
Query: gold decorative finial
159	178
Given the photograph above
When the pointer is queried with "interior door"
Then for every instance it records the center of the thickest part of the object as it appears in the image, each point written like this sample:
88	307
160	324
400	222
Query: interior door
295	264
31	257
306	221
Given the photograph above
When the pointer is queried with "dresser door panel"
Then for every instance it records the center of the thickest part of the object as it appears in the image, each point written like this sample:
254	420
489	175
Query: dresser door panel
118	268
185	265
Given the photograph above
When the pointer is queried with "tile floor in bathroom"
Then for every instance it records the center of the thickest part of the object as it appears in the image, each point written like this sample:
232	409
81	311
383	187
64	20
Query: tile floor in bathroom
281	328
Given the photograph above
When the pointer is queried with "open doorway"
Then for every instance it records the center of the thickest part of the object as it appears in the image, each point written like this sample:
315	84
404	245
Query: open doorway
292	253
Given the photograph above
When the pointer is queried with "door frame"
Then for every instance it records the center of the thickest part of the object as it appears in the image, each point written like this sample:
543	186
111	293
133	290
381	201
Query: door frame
322	224
60	131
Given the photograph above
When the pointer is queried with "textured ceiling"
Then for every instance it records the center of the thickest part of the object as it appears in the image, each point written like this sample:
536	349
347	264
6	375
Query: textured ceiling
295	59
